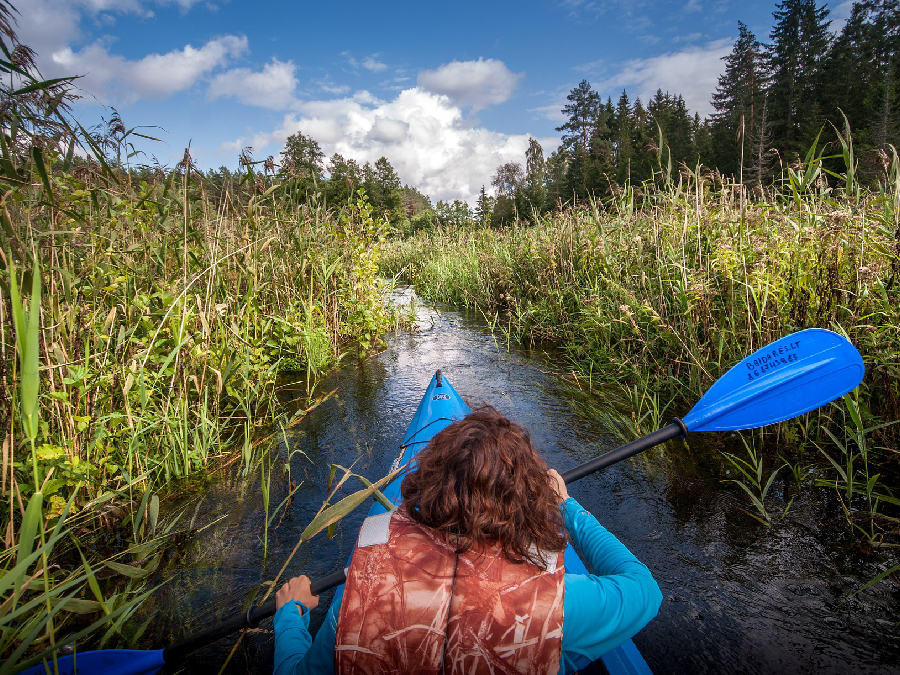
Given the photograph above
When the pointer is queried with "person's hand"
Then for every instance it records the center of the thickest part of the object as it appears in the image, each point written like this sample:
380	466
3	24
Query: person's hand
559	485
296	589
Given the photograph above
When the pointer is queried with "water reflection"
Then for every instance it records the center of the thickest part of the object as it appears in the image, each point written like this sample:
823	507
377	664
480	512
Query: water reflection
739	597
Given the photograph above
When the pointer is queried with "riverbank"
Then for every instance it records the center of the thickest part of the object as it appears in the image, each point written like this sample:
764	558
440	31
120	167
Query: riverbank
662	298
144	330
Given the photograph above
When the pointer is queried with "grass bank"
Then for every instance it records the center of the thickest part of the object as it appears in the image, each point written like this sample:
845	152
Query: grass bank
143	329
661	297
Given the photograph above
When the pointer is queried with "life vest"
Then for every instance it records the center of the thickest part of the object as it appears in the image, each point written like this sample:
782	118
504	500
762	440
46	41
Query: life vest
412	605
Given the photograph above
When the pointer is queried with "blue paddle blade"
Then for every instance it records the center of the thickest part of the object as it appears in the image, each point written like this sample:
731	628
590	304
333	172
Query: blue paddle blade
106	662
789	377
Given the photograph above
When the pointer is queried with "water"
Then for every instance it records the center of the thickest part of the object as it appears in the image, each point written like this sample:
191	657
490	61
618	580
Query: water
739	597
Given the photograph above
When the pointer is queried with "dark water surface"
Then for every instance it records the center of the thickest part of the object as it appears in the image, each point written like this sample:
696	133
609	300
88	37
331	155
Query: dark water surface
739	597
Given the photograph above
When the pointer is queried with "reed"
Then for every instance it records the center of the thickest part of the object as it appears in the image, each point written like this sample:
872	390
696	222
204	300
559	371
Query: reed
662	288
157	326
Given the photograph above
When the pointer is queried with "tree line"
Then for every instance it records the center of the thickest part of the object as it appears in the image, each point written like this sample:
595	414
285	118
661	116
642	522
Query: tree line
771	104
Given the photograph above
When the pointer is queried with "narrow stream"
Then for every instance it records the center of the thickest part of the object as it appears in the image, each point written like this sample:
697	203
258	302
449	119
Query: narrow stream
740	597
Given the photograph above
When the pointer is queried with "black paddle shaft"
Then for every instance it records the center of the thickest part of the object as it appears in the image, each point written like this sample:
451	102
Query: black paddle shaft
249	620
674	430
256	614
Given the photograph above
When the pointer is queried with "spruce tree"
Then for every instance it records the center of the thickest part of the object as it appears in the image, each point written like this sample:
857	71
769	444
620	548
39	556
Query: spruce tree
535	191
582	112
483	208
800	39
737	101
624	150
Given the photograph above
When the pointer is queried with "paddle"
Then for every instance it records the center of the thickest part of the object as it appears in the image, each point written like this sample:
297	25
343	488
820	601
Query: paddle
787	378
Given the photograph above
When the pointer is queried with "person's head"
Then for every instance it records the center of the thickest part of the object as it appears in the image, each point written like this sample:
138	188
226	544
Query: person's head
480	482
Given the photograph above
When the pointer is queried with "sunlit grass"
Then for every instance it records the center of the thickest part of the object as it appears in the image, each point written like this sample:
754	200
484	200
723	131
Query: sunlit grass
661	293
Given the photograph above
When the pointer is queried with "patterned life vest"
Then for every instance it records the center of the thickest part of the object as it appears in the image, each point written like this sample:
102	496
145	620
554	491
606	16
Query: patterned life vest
412	605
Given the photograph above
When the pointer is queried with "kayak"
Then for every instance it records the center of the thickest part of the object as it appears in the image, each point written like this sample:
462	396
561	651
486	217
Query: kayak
439	408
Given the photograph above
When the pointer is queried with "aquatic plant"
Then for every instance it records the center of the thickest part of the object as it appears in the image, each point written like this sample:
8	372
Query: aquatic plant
661	295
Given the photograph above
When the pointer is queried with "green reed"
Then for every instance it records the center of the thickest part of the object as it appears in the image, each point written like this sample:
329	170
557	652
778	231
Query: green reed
662	295
148	349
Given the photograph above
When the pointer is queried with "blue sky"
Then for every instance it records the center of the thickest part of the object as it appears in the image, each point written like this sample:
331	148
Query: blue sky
446	91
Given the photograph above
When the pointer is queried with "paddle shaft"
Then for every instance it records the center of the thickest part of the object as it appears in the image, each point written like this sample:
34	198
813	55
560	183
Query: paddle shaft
674	430
256	614
251	619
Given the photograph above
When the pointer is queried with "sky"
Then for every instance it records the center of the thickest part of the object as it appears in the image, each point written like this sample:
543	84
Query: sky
447	91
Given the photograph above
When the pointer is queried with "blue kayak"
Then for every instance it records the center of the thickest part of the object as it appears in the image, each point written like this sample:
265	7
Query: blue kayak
441	406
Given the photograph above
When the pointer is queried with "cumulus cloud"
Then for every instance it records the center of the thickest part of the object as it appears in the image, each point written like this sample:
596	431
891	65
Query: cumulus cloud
114	78
472	83
273	87
424	135
51	26
693	73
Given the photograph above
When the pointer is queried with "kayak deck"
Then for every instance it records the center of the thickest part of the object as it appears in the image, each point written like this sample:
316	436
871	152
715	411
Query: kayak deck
440	406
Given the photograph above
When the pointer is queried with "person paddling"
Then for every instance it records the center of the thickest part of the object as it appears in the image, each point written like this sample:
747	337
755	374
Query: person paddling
467	576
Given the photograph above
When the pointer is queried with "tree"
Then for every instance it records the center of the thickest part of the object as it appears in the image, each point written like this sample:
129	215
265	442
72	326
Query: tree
344	179
302	157
737	101
483	208
383	187
623	146
507	181
800	38
557	170
862	73
670	114
534	189
456	213
582	110
414	202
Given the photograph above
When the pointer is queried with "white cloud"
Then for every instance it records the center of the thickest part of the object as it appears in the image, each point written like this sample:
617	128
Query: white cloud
693	6
328	85
373	64
47	26
424	135
51	26
370	63
273	87
114	78
472	83
693	73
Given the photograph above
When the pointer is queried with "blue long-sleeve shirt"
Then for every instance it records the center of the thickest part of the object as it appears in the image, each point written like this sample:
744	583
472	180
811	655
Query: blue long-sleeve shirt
600	611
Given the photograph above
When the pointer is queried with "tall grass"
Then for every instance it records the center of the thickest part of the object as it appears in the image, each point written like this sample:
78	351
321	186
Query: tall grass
662	290
151	343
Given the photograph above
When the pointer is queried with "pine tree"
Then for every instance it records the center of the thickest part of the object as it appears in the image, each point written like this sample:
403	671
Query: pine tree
886	95
344	179
623	149
534	189
483	208
800	39
643	140
600	166
508	182
737	101
582	111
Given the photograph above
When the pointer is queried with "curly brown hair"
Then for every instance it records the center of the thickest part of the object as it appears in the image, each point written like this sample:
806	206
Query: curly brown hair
481	483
